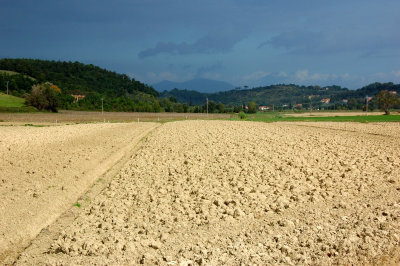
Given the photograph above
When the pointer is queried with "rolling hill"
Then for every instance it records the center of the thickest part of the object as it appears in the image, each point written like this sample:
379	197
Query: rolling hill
200	84
77	78
96	87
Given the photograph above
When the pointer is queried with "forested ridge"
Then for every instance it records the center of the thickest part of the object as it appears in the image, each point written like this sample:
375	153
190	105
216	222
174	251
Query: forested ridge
77	78
118	91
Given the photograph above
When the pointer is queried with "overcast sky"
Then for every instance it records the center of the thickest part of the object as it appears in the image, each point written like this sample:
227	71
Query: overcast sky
252	42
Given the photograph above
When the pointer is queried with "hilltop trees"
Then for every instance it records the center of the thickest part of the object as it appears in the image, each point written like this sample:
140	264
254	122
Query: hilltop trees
386	100
78	78
121	92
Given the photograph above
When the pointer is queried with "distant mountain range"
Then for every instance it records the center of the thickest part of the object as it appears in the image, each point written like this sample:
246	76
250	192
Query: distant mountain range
198	84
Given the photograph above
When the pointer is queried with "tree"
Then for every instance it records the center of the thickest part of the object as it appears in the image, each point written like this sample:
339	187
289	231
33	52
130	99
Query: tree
353	104
237	109
212	106
185	108
167	105
156	106
252	108
386	100
178	108
220	107
44	97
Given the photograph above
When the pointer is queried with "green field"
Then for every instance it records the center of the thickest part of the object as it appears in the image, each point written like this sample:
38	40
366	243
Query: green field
12	104
11	101
8	72
276	117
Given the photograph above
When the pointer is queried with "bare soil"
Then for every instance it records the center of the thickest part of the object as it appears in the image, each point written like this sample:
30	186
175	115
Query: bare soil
44	170
63	117
226	192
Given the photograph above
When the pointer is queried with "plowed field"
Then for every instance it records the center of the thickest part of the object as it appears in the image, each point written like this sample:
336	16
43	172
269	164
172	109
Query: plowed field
44	170
225	192
203	192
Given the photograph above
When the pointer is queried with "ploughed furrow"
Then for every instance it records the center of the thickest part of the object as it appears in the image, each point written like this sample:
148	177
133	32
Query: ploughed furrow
389	129
225	192
44	170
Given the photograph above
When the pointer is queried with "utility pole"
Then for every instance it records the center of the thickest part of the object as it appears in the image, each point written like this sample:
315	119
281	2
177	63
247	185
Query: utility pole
366	109
7	87
102	109
207	106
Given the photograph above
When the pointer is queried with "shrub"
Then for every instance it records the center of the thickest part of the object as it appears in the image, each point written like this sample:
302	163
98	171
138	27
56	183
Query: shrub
242	115
44	97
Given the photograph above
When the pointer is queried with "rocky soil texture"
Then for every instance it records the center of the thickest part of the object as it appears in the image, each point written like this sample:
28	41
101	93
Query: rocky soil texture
221	192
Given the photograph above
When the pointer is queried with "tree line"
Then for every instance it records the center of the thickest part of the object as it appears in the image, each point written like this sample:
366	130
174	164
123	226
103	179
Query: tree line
47	96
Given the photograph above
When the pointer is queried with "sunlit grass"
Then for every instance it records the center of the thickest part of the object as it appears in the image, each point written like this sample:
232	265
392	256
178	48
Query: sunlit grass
11	101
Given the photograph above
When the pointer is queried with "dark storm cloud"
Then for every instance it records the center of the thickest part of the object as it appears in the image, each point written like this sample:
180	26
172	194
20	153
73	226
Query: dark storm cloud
359	37
215	42
303	42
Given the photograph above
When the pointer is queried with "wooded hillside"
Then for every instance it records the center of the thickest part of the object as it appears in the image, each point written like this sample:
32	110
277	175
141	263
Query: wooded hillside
77	78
